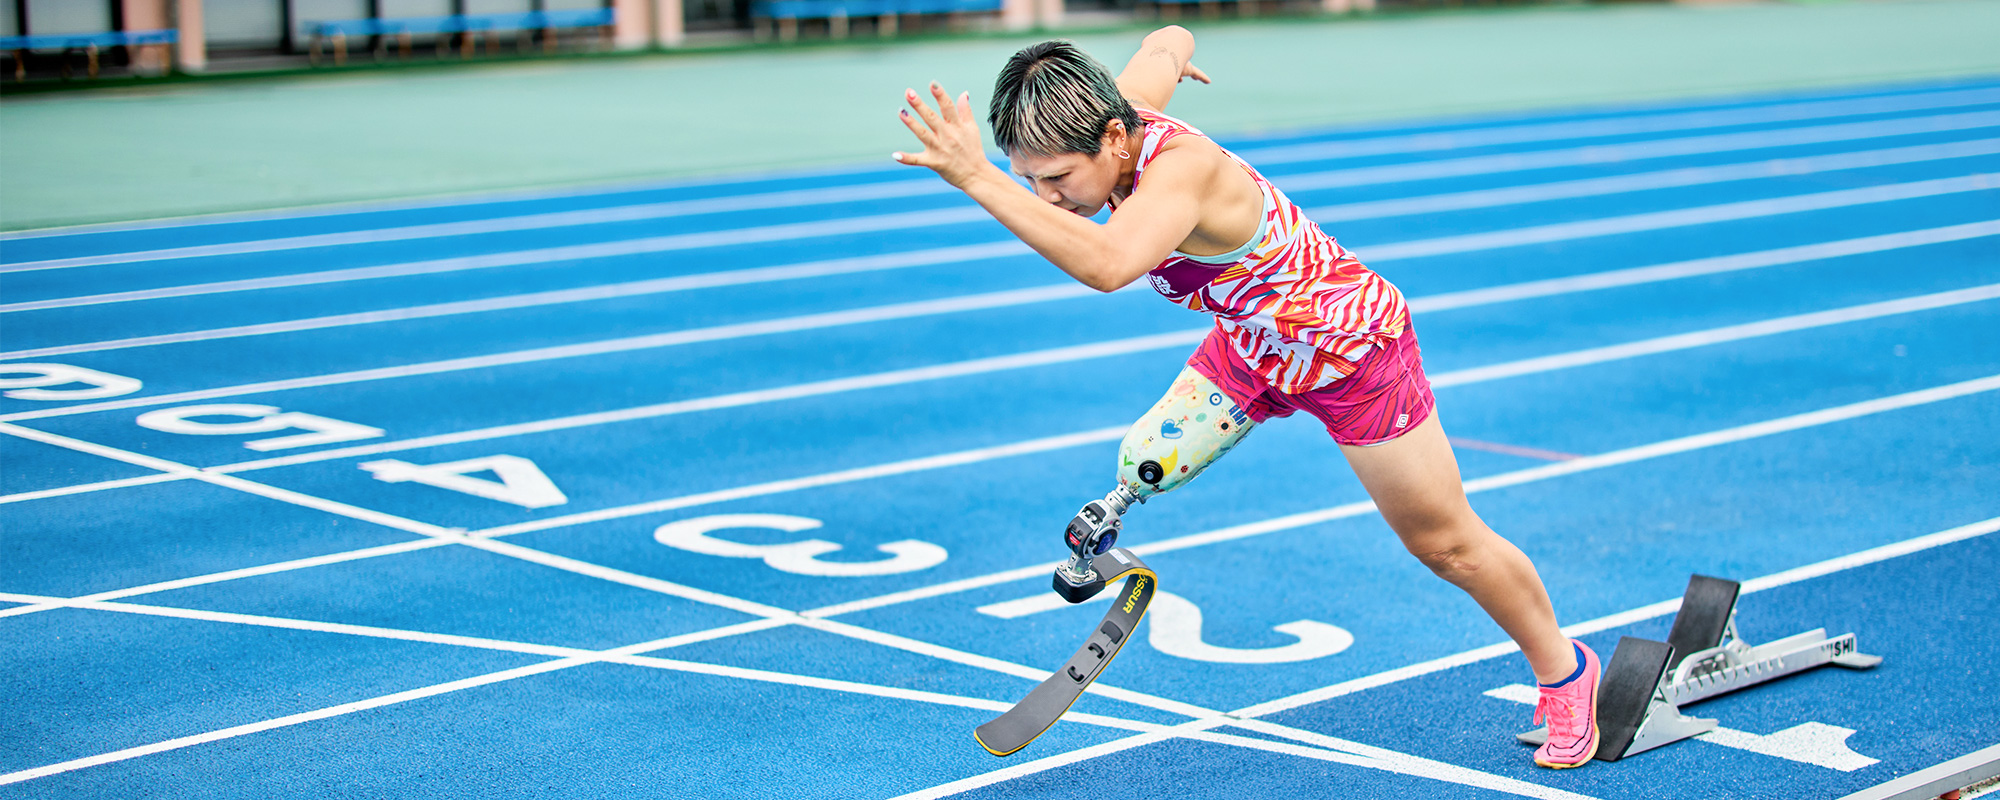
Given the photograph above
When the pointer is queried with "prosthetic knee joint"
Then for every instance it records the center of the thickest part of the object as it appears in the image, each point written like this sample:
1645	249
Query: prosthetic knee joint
1191	427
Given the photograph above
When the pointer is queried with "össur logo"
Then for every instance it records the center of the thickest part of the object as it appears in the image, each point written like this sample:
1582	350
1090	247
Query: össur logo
1132	600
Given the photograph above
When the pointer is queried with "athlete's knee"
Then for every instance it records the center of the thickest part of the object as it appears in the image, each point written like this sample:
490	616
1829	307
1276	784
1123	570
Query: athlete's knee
1188	429
1447	560
1451	549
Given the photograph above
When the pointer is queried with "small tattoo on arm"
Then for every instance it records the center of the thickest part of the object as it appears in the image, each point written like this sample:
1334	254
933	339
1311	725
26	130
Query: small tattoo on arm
1169	53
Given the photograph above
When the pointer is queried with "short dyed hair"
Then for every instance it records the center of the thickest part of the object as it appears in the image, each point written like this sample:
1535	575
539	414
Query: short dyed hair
1052	98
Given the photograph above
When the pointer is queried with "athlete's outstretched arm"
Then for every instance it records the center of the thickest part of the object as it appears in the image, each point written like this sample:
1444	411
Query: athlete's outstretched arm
1164	58
1146	228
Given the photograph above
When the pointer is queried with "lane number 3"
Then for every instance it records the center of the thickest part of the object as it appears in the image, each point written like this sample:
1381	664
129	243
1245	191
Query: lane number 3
800	557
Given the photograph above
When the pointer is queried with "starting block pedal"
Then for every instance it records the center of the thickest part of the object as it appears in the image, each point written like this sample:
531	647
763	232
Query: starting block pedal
1646	682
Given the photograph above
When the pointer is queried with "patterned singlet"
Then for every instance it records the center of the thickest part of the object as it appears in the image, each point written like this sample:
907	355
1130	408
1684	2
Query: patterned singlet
1297	307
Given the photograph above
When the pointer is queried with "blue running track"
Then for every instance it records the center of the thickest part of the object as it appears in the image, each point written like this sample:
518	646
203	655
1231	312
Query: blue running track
370	501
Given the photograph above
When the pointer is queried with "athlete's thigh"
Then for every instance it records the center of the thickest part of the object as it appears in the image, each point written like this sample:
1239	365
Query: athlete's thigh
1413	479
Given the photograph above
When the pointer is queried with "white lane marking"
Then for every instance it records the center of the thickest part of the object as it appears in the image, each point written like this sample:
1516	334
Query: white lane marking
1541	288
1249	714
1713	265
957	369
919	308
1635	151
453	535
1842	412
960	458
1680	217
1401	763
1536	234
84	488
1506	479
1618	620
1643	181
1038	358
656	244
1377	758
1614	126
706	280
1629	455
247	572
1380	208
1815	743
334	711
652	244
1476	165
233	482
527	222
1507	133
1728	333
1529	366
465	199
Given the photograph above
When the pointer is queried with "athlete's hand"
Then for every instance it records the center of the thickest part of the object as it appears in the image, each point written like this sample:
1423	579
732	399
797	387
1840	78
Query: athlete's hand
1189	70
949	133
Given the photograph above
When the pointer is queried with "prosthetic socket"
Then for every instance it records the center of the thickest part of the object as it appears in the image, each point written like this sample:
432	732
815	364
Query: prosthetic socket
1191	427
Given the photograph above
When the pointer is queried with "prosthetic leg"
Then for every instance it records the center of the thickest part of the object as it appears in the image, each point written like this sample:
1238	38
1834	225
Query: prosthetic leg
1186	431
1191	427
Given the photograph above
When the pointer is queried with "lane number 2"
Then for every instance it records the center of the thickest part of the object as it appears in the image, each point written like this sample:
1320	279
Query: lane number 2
1175	629
96	385
800	557
257	419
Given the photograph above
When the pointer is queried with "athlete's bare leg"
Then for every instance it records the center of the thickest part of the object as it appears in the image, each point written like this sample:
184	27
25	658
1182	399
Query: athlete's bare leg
1414	481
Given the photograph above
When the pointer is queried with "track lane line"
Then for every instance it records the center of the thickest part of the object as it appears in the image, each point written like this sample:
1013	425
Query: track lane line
1250	714
961	213
1512	369
1647	181
1485	198
1287	522
1540	288
819	621
580	657
1403	763
1557	361
1512	132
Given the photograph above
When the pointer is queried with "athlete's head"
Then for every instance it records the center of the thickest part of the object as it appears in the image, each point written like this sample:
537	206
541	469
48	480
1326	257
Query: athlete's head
1058	114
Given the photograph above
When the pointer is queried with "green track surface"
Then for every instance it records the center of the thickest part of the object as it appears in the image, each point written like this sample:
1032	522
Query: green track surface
197	147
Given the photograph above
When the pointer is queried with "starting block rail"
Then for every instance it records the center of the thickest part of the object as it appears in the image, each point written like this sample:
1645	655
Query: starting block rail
1646	682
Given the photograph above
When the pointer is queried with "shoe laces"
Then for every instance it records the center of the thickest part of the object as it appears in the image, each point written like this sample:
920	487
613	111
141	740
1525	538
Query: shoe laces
1559	712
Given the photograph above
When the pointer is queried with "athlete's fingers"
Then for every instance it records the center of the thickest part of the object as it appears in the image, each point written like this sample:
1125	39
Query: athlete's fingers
924	134
946	108
965	105
924	110
1196	73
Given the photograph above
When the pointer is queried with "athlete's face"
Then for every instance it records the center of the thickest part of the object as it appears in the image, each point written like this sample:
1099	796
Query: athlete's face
1074	182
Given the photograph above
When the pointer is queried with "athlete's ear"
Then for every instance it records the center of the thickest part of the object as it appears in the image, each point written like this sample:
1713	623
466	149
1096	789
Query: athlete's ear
1114	135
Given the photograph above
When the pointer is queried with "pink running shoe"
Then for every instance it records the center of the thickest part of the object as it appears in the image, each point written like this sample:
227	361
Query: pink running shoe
1571	714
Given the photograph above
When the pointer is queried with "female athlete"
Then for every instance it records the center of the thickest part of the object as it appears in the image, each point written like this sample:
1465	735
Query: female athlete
1300	325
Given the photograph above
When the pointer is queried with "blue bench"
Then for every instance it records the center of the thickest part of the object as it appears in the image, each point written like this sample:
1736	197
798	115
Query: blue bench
467	26
787	13
89	43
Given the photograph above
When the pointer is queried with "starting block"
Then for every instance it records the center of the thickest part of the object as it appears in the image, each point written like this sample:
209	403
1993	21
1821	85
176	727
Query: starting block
1646	682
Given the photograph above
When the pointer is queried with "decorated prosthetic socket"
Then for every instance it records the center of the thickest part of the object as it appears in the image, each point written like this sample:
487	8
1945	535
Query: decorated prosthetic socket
1186	431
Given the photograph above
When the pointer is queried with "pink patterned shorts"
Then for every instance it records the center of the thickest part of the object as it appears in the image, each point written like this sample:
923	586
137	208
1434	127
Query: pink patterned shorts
1384	399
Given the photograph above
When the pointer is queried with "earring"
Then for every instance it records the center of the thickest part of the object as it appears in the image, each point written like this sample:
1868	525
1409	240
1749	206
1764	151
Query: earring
1122	155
